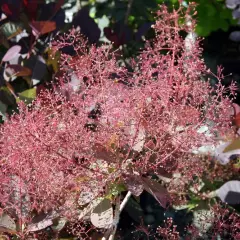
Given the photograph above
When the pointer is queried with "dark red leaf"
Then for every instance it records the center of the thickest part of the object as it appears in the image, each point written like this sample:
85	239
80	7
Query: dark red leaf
236	115
101	152
31	7
5	8
58	5
236	120
133	183
19	70
11	9
159	192
111	36
42	27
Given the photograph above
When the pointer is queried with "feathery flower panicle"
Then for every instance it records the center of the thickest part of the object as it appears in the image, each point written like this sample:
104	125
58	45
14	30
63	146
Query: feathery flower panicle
103	124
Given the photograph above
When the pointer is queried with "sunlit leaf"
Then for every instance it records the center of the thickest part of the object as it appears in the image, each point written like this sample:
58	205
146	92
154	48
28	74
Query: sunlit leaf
7	223
59	225
139	136
86	196
11	53
115	189
4	237
89	208
230	192
40	222
20	195
203	219
102	215
222	155
53	60
234	145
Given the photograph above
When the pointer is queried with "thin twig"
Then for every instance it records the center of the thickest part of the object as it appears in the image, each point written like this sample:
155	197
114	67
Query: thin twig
123	204
116	218
128	11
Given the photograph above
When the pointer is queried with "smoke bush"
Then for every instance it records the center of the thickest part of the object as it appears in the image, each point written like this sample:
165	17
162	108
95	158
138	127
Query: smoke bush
102	124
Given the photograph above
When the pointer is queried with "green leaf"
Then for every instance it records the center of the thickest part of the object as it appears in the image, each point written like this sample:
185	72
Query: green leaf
28	95
191	206
115	190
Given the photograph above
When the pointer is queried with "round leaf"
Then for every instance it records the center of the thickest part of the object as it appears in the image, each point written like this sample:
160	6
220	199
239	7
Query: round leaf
60	225
230	192
7	223
102	215
86	197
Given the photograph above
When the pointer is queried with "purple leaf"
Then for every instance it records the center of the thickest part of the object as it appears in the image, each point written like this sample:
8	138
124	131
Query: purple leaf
142	31
87	25
133	183
11	53
159	192
230	192
101	152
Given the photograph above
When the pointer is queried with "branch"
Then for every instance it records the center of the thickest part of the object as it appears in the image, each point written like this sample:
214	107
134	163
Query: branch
118	211
128	11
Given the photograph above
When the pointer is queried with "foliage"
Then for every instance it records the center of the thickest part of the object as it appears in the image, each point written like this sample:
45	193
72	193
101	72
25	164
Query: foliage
101	129
26	28
130	22
211	16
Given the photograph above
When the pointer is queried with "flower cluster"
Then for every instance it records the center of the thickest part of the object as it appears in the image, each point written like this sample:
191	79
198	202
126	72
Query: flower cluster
102	124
